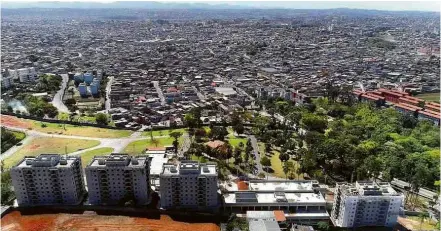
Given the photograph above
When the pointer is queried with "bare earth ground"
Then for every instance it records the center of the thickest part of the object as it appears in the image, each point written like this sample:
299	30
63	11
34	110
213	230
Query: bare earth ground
14	221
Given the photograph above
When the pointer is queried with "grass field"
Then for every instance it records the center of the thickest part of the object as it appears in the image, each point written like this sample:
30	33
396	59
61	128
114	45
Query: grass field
66	129
49	146
139	146
276	165
79	130
199	158
86	157
429	97
428	224
163	132
234	141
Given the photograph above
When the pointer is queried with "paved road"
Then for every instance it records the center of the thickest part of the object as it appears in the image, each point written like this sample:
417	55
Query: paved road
15	148
159	91
108	89
256	153
57	101
118	144
201	97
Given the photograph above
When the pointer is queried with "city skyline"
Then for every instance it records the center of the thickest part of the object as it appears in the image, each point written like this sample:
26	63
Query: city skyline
367	5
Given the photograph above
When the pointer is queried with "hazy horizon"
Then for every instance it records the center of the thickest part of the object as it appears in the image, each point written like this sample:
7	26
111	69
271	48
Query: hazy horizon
368	5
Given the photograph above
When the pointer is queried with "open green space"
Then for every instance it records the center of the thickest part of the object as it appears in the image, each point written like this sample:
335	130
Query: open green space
277	166
68	129
49	146
430	96
86	157
163	132
139	146
199	158
427	224
234	140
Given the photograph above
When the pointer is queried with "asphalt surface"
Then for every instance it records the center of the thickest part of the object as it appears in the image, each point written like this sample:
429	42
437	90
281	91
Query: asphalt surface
159	91
108	89
256	153
57	101
118	144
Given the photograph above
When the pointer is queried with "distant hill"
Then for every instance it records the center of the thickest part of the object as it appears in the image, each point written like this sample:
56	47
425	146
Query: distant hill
121	5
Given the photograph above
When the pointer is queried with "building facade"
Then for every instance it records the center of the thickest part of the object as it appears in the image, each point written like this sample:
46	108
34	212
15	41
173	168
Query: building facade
24	74
301	201
118	178
6	82
189	185
366	204
48	179
82	88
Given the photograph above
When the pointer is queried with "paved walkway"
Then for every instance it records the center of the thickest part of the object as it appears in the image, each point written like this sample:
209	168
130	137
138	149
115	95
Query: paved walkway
15	148
118	144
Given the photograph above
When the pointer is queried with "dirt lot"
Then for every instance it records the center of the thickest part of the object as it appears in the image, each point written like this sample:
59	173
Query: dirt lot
14	221
15	122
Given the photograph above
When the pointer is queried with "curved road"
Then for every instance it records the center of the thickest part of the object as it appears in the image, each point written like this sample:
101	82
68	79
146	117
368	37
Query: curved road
57	101
118	144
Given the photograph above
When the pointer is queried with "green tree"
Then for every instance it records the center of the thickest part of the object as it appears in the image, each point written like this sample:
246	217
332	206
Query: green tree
101	118
286	169
7	194
218	133
50	110
176	136
265	161
237	154
323	226
313	122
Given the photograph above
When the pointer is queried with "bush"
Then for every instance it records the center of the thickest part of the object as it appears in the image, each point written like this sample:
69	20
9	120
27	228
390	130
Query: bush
261	175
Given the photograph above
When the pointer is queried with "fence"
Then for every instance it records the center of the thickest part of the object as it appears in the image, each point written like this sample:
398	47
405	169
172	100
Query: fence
63	121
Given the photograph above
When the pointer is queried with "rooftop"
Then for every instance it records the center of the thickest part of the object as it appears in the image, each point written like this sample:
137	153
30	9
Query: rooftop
47	160
286	186
368	188
189	167
118	160
272	198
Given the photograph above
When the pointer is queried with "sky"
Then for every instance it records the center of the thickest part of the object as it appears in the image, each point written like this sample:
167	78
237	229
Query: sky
377	5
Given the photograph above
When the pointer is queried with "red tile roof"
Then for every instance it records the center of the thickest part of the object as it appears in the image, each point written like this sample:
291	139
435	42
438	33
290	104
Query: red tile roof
280	215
